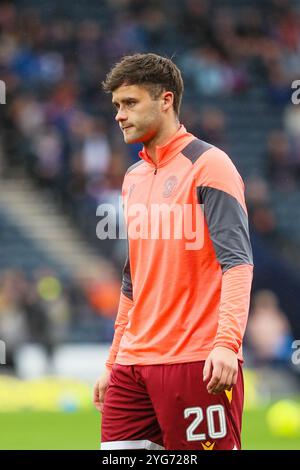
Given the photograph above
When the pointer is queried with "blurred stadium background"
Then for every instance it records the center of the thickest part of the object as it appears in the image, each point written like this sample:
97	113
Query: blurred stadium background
61	155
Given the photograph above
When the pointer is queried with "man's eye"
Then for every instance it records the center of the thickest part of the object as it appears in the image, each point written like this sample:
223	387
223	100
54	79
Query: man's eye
131	103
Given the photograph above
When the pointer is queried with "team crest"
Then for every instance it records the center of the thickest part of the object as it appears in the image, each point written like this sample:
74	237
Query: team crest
131	188
170	185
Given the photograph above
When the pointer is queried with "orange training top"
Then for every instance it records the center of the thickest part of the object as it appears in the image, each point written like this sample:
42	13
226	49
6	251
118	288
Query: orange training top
187	279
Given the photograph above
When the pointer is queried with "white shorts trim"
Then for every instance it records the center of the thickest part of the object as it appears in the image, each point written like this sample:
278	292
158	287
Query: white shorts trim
143	444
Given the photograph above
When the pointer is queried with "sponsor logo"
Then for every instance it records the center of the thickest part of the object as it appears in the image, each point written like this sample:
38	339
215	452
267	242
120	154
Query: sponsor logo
208	445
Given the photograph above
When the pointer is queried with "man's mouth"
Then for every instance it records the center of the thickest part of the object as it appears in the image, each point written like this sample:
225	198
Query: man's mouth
126	127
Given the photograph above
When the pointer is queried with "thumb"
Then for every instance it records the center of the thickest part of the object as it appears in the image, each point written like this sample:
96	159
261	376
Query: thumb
207	369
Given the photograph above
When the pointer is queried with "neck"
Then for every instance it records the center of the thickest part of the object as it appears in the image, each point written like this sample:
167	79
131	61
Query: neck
160	138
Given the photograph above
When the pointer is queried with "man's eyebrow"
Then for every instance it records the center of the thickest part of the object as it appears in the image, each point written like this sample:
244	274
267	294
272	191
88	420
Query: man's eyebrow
124	100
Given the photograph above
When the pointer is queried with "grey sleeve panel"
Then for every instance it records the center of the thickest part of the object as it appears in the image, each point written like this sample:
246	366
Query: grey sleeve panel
228	227
195	149
126	280
132	167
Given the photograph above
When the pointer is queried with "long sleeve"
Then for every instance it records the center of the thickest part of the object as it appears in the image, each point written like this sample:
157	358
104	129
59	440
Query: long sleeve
234	307
221	192
125	305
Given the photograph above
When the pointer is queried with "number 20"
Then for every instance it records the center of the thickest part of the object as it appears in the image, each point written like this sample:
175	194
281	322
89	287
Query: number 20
210	422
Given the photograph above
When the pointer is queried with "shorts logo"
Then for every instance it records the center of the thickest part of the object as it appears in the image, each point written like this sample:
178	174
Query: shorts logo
208	445
170	185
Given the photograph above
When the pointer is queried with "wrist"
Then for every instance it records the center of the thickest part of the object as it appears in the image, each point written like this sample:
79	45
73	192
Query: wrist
229	346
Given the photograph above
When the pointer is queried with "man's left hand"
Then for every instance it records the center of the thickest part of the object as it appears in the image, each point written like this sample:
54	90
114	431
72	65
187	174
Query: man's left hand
221	367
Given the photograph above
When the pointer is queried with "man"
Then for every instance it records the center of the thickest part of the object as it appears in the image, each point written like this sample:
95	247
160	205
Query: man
174	377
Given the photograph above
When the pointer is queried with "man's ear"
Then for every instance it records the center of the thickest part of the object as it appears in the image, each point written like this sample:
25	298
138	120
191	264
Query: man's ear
167	99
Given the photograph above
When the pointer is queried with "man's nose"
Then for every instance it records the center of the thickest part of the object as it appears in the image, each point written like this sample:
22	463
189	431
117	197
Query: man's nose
121	115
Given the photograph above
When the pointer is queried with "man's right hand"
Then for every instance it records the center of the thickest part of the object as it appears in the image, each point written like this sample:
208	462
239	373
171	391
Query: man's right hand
100	389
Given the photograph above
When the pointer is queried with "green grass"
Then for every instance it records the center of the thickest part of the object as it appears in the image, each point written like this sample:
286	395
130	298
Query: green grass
41	430
81	430
256	434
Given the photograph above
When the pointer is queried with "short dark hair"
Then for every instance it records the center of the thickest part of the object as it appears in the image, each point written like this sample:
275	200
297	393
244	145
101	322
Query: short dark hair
154	72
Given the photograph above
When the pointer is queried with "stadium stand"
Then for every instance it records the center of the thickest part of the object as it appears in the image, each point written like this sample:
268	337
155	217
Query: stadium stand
58	131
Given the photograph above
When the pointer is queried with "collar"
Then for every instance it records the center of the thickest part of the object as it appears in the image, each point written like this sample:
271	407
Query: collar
170	149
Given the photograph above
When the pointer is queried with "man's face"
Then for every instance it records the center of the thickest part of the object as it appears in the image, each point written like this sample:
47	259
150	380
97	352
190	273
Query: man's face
138	114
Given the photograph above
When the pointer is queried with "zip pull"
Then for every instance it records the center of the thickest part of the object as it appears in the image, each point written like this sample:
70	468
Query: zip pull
155	171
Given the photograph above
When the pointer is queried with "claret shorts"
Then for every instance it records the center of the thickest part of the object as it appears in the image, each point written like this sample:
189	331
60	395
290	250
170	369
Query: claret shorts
167	406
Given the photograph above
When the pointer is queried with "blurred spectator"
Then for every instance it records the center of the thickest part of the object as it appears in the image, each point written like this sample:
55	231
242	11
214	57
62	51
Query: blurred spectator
193	23
47	147
96	152
268	336
28	114
256	191
44	310
261	215
281	169
291	122
212	127
209	72
13	325
263	220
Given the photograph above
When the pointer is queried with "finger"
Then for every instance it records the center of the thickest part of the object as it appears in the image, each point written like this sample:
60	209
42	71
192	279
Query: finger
232	379
213	383
207	370
221	385
216	375
98	408
97	398
101	400
96	392
97	404
229	381
235	376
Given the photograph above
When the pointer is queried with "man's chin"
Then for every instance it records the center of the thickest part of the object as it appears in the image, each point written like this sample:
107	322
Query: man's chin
128	139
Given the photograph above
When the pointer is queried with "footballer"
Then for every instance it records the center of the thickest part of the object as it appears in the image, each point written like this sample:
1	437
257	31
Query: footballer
174	376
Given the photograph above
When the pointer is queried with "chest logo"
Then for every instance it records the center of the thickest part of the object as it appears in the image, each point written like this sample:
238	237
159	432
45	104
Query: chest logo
170	185
131	189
